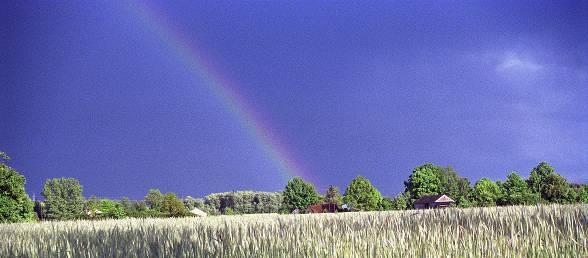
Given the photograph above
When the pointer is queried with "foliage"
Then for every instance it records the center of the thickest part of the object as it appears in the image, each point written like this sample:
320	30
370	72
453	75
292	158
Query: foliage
424	180
92	207
40	210
401	202
111	209
154	200
464	202
430	179
63	198
555	189
172	206
516	191
241	202
386	204
362	195
583	194
486	193
538	176
333	195
15	204
516	231
299	195
192	203
453	185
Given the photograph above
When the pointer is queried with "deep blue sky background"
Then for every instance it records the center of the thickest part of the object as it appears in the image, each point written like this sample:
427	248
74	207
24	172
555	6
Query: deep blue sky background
372	88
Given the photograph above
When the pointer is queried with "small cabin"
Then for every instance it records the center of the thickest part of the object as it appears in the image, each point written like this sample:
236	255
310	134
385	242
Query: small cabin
433	202
323	208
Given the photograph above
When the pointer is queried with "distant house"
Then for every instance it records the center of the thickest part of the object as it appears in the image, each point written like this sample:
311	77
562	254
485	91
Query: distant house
198	212
93	213
347	207
433	202
323	208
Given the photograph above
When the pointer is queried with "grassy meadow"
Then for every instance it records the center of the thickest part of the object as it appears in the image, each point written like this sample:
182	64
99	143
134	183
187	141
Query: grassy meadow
517	231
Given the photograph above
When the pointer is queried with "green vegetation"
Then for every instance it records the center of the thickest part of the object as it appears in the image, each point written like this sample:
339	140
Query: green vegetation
240	202
559	229
299	195
516	231
362	195
15	204
485	193
333	195
63	199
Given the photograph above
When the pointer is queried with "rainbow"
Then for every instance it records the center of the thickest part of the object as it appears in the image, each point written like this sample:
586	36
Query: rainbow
224	89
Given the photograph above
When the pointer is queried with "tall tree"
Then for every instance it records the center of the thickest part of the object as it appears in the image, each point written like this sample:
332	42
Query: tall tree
424	180
333	196
550	185
362	195
154	199
539	174
486	193
516	191
173	206
15	204
299	195
63	198
555	189
453	185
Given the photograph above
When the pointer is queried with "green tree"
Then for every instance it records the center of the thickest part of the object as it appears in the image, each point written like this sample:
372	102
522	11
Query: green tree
333	196
583	194
127	205
555	189
63	198
453	185
424	180
92	207
516	191
173	206
386	204
538	176
154	200
486	192
464	202
401	202
15	204
299	195
550	185
362	195
111	209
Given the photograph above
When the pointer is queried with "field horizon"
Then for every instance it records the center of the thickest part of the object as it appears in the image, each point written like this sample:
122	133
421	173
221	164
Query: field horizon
513	231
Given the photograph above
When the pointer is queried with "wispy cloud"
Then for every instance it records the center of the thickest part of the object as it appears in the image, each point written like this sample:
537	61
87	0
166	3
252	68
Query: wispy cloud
542	88
516	63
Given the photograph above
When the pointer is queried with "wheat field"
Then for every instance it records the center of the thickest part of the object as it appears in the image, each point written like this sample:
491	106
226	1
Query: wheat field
525	231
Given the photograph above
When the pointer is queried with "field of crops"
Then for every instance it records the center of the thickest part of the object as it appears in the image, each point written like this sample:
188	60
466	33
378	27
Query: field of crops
532	231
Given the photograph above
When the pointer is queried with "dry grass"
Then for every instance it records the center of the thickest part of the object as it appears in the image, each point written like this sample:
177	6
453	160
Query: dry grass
531	231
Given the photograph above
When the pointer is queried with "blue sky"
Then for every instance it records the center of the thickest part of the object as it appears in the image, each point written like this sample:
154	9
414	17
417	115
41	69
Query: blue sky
376	88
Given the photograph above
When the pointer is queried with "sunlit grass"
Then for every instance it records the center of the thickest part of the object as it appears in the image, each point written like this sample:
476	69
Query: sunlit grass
529	231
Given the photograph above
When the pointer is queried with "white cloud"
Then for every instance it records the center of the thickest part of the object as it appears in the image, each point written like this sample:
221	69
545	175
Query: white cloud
515	63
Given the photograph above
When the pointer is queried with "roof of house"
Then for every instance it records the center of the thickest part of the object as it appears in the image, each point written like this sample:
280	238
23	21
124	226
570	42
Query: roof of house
198	212
433	198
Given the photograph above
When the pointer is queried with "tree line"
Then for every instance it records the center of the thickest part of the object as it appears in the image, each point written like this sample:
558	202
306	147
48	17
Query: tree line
64	200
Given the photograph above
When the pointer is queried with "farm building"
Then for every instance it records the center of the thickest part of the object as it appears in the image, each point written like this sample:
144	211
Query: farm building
323	208
433	201
198	212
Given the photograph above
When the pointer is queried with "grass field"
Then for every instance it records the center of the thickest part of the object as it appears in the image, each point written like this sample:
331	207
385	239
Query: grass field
531	231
